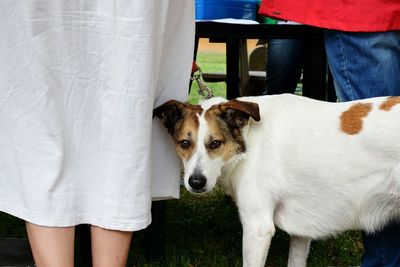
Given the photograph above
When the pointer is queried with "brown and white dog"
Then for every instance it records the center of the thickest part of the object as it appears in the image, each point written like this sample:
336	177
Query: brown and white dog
311	168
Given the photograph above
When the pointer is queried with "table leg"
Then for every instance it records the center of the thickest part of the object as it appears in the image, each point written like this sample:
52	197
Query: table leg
155	232
315	70
232	68
244	68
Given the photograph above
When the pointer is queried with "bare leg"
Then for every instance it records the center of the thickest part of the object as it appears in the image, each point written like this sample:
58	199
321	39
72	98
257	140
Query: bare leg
51	246
109	248
298	251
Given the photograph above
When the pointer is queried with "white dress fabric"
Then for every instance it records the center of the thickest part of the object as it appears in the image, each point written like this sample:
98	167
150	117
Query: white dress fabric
78	82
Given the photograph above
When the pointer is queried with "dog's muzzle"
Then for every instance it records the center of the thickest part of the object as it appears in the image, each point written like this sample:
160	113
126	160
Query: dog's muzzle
197	182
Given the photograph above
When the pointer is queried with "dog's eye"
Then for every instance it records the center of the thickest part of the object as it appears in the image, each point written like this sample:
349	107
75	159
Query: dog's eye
185	144
215	144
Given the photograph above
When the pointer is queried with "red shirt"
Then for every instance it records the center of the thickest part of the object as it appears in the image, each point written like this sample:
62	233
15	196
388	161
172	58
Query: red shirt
345	15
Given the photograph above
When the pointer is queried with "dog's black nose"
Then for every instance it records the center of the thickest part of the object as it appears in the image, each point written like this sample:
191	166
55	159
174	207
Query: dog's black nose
197	181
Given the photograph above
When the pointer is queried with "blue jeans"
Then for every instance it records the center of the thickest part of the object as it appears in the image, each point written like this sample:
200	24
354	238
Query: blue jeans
366	65
284	65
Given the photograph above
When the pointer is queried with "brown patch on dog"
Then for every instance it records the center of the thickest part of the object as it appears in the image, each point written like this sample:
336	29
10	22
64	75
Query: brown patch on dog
225	122
389	103
231	139
351	119
182	123
249	108
186	130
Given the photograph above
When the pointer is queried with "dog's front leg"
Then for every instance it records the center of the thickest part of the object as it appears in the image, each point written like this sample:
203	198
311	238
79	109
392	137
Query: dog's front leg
298	251
257	235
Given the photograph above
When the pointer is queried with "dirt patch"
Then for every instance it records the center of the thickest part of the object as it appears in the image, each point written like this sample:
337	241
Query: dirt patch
206	46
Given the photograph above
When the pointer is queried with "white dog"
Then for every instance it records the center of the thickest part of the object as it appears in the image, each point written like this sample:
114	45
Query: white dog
311	168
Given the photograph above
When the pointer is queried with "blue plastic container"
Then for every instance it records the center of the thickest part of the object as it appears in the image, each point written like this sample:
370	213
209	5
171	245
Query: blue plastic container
220	9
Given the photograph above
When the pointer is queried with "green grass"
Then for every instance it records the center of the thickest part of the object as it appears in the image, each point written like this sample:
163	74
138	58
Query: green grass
204	231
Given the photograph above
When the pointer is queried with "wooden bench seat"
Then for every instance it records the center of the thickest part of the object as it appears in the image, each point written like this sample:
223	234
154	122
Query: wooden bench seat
257	76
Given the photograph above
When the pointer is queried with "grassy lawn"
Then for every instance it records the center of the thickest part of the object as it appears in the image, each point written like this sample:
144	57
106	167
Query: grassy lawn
205	231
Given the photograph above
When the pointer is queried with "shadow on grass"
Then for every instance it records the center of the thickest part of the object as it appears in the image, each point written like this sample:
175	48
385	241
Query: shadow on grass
206	231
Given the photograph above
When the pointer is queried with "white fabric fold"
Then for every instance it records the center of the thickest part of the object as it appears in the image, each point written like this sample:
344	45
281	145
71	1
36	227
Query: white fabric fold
78	83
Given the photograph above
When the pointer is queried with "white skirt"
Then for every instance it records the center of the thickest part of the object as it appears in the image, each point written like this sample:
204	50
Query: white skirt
78	83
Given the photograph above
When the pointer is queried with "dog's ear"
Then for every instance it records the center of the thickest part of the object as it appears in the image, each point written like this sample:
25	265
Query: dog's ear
170	113
237	113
